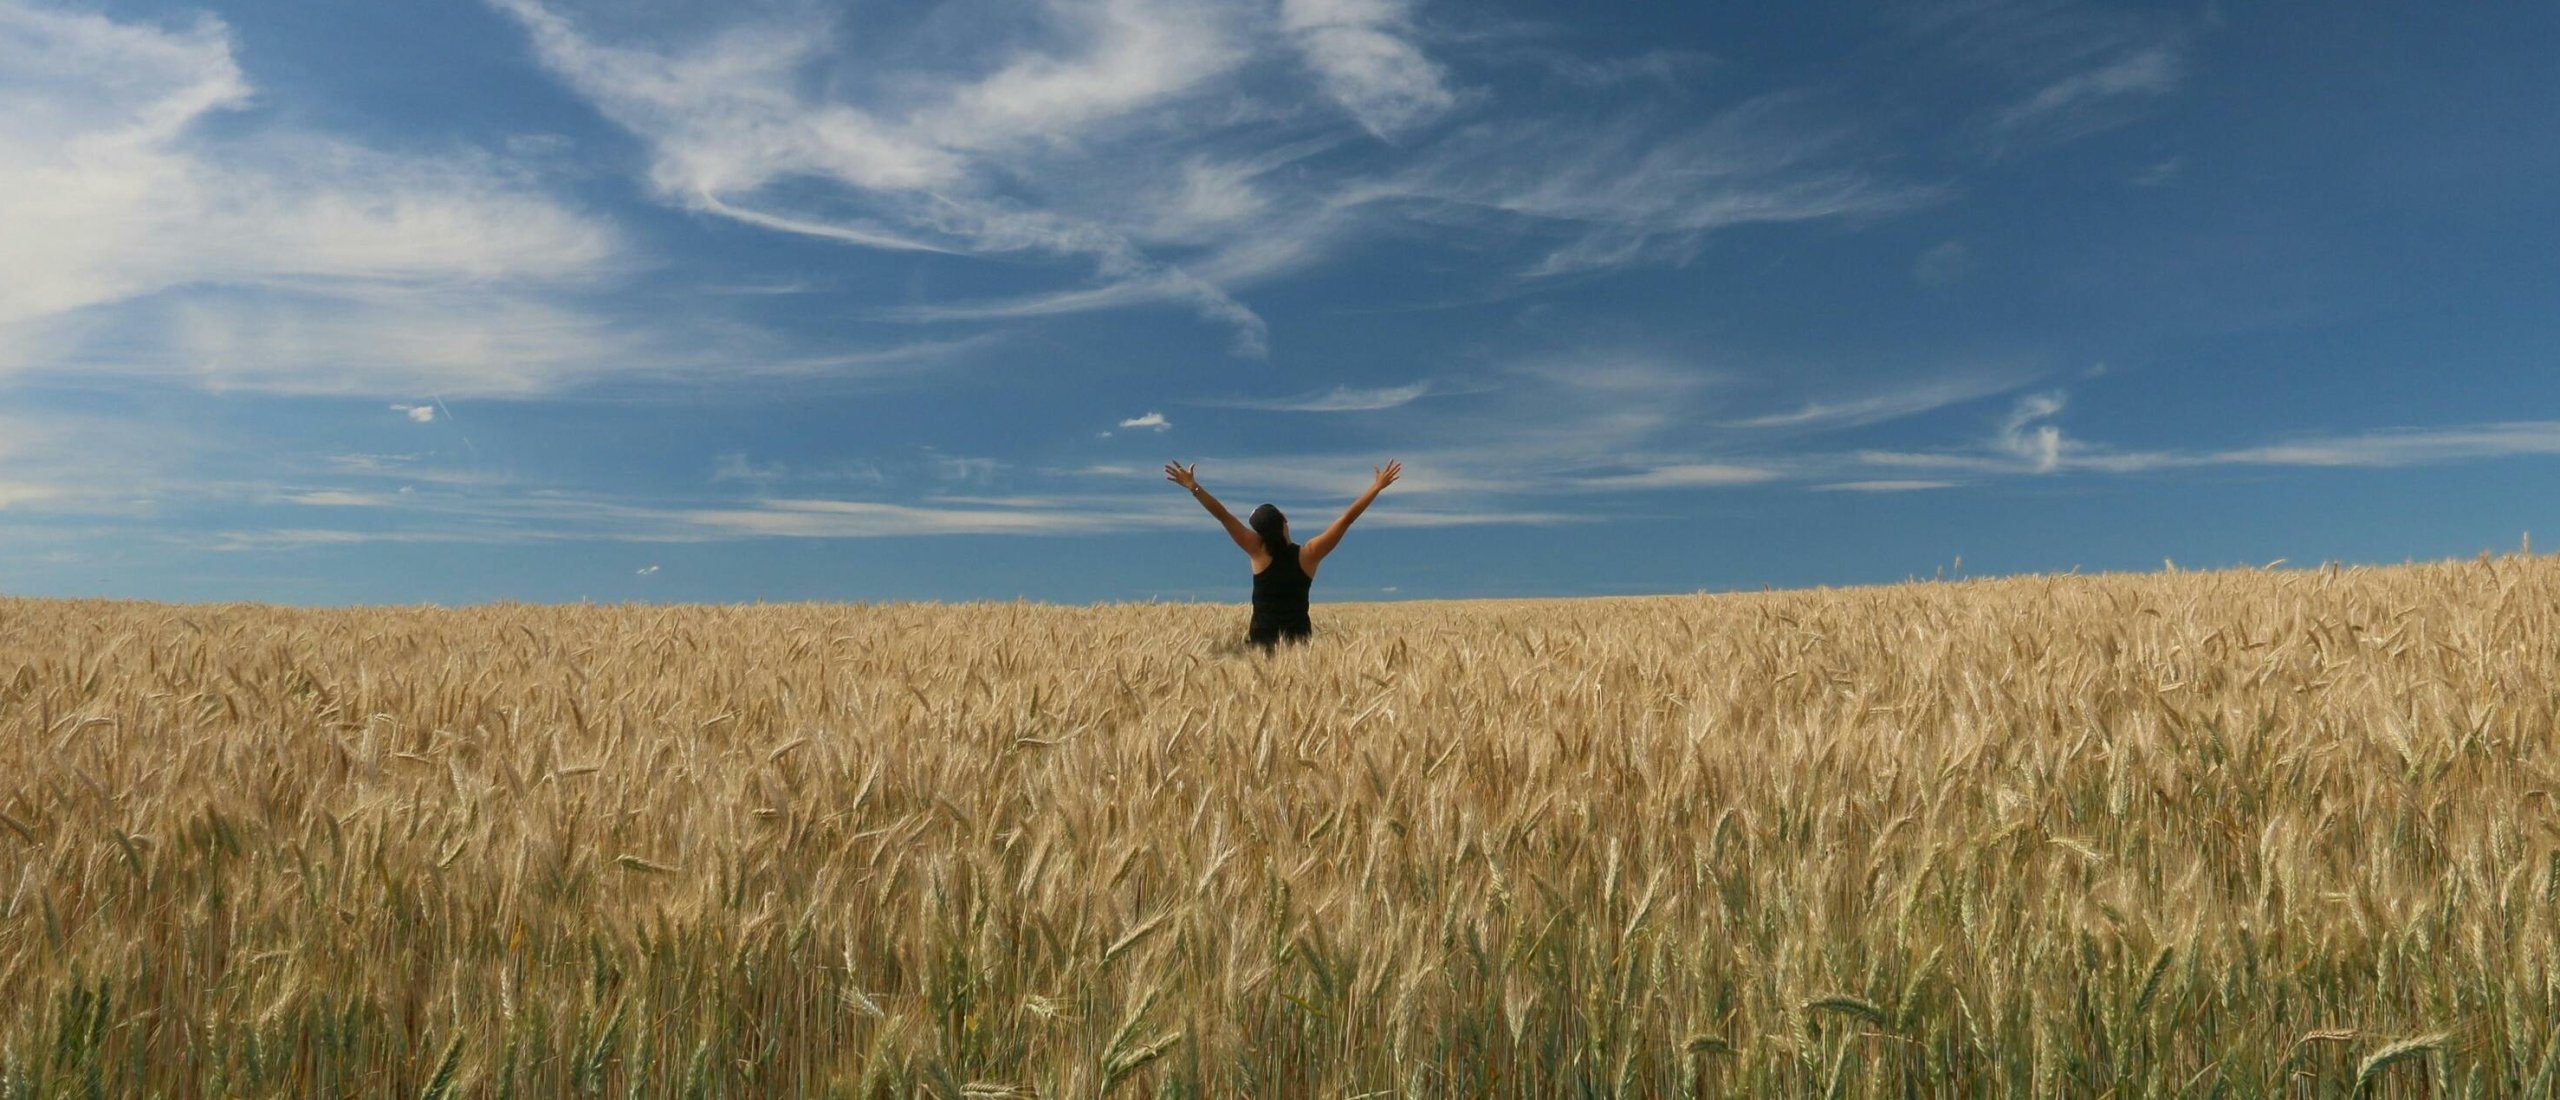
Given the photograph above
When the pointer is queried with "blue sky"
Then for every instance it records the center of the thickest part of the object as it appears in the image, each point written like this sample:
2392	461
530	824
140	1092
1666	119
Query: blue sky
544	300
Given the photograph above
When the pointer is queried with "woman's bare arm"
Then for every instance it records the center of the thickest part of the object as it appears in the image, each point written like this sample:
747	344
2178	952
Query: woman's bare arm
1313	553
1188	477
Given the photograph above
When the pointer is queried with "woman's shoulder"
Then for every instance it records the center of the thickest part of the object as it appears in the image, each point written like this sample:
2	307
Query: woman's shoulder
1272	556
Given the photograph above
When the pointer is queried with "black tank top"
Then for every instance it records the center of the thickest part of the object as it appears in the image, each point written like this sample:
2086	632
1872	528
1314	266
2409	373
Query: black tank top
1280	596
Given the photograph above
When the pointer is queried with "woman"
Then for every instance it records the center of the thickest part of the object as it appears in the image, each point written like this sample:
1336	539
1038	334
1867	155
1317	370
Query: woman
1282	570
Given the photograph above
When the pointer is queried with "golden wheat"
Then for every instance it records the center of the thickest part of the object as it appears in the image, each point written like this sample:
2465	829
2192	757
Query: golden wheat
2133	835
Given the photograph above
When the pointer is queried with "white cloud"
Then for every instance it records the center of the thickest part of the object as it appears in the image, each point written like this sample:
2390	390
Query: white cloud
459	341
2040	445
337	498
422	414
1942	264
1360	53
2065	69
552	516
875	519
1153	421
14	493
1668	68
1894	485
1133	53
1897	402
2376	449
61	461
1145	138
1631	191
2093	98
735	467
646	571
1337	399
114	197
2161	173
1690	475
2408	446
870	519
1446	486
1214	199
2025	443
965	468
730	117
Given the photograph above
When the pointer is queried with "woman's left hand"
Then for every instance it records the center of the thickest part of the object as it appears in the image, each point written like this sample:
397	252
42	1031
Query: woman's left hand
1186	476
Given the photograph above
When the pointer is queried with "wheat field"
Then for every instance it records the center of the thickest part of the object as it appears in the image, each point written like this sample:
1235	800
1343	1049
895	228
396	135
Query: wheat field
2249	833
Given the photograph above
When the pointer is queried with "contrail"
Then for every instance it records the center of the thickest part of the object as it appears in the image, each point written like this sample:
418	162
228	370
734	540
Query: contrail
447	413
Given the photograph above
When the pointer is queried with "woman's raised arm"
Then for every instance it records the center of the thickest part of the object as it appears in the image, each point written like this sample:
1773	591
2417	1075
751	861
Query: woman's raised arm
1189	478
1313	553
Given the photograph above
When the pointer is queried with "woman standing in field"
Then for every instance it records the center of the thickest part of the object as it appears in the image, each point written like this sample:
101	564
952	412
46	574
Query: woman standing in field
1282	570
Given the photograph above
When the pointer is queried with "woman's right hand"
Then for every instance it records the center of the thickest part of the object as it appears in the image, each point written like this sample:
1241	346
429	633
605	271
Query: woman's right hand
1387	475
1186	476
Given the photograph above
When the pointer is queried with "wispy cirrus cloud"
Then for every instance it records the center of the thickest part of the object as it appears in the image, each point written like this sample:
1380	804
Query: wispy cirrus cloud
2029	440
1618	432
2099	96
26	492
260	255
1897	400
1336	400
1179	152
1683	475
2407	446
1887	485
924	169
1636	190
1363	55
2059	69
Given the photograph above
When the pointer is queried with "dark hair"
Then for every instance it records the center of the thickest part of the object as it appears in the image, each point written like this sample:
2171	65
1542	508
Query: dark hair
1271	525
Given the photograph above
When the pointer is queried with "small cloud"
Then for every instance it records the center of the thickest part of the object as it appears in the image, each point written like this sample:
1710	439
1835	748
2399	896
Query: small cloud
1942	265
372	463
964	468
1683	476
2162	174
539	145
1883	486
1668	69
422	414
2038	443
734	466
19	492
1153	421
1338	399
1391	588
335	498
1102	435
646	571
1888	405
761	290
1362	57
2097	98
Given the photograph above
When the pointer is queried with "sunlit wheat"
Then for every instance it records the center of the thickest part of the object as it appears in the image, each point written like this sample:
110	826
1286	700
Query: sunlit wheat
2156	835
